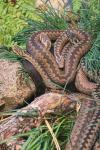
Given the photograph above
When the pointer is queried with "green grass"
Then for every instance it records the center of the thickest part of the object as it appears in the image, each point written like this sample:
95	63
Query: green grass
6	53
42	139
92	59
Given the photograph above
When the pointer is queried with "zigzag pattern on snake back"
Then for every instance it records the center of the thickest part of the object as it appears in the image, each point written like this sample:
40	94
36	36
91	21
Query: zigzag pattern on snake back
38	53
77	38
47	60
83	84
63	55
87	127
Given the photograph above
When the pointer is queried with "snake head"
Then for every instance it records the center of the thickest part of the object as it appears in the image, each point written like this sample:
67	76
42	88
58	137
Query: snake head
45	40
72	36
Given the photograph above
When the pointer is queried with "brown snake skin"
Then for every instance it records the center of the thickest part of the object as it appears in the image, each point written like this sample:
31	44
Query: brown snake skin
67	53
88	87
46	60
87	127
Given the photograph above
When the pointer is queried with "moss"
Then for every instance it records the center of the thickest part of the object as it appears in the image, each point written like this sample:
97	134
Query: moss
12	18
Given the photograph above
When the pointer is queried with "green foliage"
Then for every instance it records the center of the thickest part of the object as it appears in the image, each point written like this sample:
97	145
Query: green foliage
90	17
90	21
76	5
6	53
50	19
12	18
92	59
40	138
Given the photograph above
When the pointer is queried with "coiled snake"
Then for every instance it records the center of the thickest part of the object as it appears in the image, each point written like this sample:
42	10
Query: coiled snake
60	68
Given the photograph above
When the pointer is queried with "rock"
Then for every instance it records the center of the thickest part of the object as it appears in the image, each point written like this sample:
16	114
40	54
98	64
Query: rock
14	89
56	4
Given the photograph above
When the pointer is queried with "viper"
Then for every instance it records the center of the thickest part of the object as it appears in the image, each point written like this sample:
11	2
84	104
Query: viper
62	67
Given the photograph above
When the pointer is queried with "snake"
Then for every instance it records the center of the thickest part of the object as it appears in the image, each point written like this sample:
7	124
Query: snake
87	127
62	67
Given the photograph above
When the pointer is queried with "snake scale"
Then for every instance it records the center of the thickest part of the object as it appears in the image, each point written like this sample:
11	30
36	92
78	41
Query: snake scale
62	67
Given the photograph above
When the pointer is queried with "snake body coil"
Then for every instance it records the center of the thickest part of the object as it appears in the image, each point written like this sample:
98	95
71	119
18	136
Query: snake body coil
86	128
69	47
41	53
